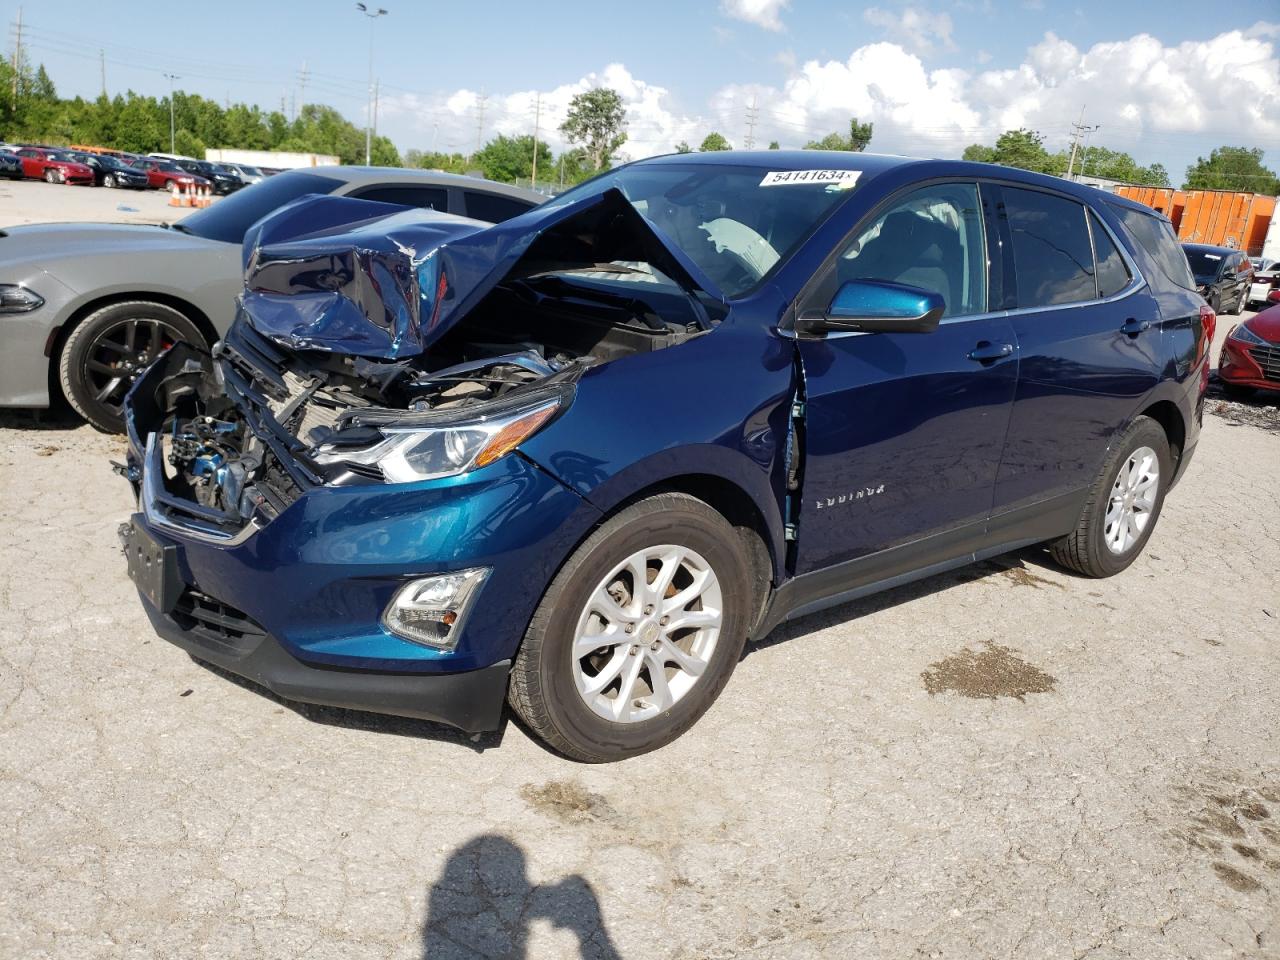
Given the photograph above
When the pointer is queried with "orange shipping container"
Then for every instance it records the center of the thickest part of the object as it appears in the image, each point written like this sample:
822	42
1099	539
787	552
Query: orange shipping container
1222	218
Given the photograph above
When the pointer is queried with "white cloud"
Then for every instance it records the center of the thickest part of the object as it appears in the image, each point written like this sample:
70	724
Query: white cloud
763	13
1149	98
918	30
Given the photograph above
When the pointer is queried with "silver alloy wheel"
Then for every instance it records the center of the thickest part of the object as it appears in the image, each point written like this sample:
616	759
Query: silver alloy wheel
647	634
1133	498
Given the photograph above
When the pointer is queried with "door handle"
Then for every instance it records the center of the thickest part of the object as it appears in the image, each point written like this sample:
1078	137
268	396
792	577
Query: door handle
1133	327
987	352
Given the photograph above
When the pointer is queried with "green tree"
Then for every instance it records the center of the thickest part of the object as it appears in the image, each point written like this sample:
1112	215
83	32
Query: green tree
508	159
774	145
683	147
1232	168
858	140
714	141
1114	165
1019	148
597	120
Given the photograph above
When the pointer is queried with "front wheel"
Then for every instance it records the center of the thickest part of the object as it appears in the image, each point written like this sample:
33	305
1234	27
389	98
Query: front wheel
109	180
51	176
1123	506
638	633
110	348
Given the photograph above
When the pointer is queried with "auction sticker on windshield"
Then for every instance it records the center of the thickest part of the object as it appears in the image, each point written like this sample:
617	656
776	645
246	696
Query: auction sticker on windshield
782	178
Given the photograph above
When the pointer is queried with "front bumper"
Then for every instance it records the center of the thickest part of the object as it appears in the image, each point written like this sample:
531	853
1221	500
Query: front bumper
297	602
1250	365
471	701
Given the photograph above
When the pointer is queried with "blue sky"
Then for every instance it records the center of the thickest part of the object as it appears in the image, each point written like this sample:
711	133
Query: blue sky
933	76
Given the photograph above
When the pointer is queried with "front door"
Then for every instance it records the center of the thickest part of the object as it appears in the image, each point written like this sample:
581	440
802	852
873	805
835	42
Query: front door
903	433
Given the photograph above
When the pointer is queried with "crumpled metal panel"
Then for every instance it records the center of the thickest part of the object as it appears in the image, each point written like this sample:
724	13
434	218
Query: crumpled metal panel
374	280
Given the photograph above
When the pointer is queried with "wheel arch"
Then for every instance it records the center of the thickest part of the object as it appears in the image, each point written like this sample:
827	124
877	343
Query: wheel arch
1167	414
58	335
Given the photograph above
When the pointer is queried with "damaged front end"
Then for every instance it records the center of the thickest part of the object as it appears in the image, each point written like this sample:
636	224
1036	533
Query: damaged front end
406	348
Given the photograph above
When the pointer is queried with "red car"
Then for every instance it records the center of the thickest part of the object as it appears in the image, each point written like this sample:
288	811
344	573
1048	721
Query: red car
1251	354
166	175
53	166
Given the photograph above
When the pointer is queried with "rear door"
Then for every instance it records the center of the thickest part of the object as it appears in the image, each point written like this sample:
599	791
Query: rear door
903	432
1088	334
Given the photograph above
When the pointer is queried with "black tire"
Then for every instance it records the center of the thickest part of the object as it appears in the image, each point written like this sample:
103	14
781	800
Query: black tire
543	691
1240	302
1085	550
1238	390
109	181
84	355
50	176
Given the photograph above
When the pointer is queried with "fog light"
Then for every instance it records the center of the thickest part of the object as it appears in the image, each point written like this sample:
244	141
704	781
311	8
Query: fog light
432	610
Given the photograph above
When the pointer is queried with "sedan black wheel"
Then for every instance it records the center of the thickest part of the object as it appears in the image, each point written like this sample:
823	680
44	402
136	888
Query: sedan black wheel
109	180
108	350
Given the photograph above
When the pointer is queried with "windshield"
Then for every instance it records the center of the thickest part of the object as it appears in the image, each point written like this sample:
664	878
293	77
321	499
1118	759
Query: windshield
734	222
230	218
1204	263
251	171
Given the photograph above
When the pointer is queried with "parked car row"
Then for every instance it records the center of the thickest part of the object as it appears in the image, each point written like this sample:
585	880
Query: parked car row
129	171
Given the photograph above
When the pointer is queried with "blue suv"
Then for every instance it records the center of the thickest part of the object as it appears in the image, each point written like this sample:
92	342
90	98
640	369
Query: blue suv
576	460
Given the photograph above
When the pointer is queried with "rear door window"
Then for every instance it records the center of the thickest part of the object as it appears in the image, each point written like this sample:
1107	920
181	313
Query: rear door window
1052	255
1113	275
493	208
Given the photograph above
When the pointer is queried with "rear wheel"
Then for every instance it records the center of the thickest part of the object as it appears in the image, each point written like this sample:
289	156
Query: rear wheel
1241	300
108	350
638	633
1123	506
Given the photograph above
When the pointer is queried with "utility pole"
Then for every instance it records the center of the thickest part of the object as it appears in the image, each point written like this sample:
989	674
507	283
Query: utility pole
753	116
373	16
1078	130
376	85
481	100
17	60
102	66
537	117
301	91
172	137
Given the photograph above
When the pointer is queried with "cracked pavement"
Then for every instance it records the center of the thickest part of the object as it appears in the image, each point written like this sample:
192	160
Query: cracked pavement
1096	772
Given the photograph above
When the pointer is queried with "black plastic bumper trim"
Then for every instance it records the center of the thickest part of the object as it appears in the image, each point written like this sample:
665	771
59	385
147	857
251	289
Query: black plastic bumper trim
471	701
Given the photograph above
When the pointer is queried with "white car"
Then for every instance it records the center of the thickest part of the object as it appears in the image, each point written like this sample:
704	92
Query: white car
247	173
1266	277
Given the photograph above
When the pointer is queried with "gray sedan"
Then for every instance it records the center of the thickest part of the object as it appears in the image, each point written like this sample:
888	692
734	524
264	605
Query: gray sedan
85	307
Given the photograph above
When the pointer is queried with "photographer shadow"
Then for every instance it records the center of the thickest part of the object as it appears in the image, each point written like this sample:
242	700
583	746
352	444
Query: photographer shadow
484	904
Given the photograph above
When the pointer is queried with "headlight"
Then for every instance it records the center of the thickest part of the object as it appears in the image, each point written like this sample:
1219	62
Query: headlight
432	610
1245	335
412	453
18	299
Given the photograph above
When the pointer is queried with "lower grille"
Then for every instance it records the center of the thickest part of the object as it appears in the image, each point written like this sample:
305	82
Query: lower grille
1268	358
218	624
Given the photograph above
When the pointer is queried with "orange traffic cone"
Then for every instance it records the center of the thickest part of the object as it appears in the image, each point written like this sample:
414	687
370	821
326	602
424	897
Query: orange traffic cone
208	197
175	194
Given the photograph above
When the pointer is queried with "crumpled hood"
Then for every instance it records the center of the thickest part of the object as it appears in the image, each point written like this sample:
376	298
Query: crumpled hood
373	280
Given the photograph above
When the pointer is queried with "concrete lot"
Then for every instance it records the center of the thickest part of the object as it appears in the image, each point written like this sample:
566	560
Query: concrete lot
1006	761
34	201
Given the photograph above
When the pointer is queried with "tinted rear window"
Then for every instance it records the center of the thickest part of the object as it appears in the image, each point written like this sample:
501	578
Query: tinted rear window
1052	256
230	218
1157	238
408	195
492	208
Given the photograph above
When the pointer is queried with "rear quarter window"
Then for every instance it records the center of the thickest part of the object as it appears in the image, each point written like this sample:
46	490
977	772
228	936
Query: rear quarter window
1156	236
492	208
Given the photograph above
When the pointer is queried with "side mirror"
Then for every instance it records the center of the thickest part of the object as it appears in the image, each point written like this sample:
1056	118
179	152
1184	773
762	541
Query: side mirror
877	306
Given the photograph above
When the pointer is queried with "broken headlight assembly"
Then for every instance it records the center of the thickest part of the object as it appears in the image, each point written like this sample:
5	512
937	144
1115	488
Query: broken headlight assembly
407	453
